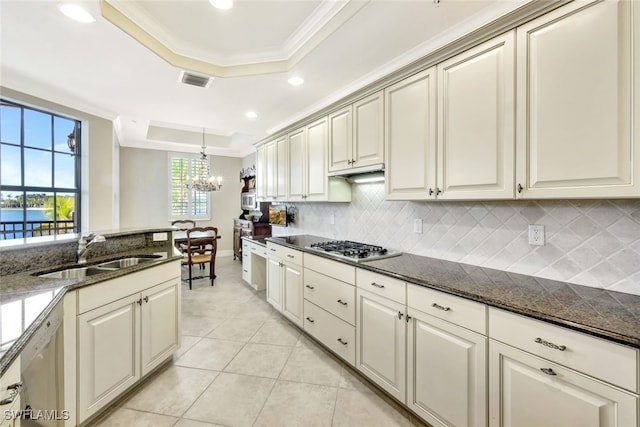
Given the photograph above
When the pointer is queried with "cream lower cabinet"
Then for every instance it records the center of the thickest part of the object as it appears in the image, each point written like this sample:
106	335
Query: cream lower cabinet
575	112
284	281
541	374
121	341
10	387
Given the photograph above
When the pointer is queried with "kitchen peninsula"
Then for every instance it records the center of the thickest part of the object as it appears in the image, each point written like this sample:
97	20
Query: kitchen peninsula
120	310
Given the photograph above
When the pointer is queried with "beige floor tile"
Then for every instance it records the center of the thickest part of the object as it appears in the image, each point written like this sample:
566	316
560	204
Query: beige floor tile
237	329
233	400
199	325
356	408
277	332
123	417
187	341
298	404
352	381
210	354
192	423
261	360
324	369
172	391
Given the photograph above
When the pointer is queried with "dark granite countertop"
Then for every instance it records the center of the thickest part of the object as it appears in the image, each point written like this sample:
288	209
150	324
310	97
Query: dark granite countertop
43	294
606	314
262	240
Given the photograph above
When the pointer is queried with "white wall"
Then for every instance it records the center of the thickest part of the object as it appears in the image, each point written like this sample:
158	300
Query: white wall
144	192
588	242
99	183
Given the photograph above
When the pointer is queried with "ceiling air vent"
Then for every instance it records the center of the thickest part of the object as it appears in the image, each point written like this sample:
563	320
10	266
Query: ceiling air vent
194	79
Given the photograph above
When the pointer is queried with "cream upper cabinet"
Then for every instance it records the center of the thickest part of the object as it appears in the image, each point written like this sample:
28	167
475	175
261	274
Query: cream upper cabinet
316	161
282	169
261	173
296	157
356	137
271	163
410	137
574	90
476	114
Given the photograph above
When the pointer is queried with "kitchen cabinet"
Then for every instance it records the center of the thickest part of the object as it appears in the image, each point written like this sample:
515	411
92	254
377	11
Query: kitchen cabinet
575	102
284	281
10	387
446	361
541	374
329	305
271	170
275	169
244	227
254	267
282	168
381	331
476	134
261	173
410	137
126	327
356	136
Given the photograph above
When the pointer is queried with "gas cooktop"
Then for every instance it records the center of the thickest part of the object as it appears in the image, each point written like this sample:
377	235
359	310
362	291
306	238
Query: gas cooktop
353	251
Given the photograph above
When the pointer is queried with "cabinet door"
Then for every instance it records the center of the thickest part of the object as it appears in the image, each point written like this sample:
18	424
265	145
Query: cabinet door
368	130
271	166
297	185
476	135
316	161
160	324
282	168
410	137
528	391
292	293
107	353
261	184
446	372
274	283
340	139
574	103
380	342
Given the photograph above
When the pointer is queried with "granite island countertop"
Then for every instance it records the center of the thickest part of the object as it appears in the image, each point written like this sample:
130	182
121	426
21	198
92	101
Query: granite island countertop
39	296
606	314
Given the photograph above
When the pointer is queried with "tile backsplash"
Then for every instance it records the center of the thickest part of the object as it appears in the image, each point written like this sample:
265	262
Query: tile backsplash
588	242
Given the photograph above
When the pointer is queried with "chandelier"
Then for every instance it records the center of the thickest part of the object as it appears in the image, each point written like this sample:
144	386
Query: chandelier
204	181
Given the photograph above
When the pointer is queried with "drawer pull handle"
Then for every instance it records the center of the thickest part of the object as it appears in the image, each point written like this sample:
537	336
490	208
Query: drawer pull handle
310	320
146	299
377	285
342	302
15	392
548	371
290	256
439	307
309	286
400	314
550	344
272	249
139	301
341	341
245	271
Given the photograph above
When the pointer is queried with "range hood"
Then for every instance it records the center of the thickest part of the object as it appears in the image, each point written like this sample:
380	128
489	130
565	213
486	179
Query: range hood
349	173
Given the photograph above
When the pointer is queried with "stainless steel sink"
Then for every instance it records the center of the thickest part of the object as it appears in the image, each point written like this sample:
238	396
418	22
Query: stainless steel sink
125	262
77	272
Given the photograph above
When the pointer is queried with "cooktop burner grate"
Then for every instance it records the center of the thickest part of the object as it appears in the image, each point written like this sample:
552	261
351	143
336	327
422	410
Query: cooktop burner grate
352	250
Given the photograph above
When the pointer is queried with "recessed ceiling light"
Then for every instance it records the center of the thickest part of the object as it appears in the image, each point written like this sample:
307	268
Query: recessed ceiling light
251	115
222	4
77	13
296	81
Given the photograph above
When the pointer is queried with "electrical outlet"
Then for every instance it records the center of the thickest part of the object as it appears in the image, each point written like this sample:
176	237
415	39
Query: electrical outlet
536	234
332	219
160	237
417	225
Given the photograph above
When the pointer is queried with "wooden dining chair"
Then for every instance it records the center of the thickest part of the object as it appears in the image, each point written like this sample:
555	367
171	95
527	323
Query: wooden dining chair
201	249
183	225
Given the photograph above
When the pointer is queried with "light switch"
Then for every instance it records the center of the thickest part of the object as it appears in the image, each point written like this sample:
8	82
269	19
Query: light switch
417	225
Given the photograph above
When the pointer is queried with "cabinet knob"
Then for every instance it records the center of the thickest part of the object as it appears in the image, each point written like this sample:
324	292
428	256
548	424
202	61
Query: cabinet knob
146	299
431	191
438	191
353	161
400	314
139	301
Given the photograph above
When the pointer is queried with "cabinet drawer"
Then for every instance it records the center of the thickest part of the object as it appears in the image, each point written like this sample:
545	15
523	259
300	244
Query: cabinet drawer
337	335
245	246
337	270
606	360
258	250
332	295
284	253
469	314
381	285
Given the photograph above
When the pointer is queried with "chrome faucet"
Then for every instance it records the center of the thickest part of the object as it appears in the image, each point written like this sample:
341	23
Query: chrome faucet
84	243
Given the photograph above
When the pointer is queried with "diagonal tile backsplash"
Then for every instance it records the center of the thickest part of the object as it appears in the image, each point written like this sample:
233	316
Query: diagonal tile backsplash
588	242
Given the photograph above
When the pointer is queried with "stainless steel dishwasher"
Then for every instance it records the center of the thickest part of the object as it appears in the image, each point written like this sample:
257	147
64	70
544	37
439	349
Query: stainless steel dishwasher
42	395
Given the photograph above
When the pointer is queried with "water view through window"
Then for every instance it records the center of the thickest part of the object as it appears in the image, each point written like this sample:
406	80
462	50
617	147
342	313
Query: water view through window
39	173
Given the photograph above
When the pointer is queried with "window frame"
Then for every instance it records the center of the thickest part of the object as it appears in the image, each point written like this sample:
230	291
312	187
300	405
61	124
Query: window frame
191	158
53	189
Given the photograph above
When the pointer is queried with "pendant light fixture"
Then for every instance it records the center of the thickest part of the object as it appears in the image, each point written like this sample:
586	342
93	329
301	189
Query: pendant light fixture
204	181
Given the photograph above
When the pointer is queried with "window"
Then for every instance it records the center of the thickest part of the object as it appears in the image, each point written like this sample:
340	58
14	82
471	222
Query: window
185	203
39	172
